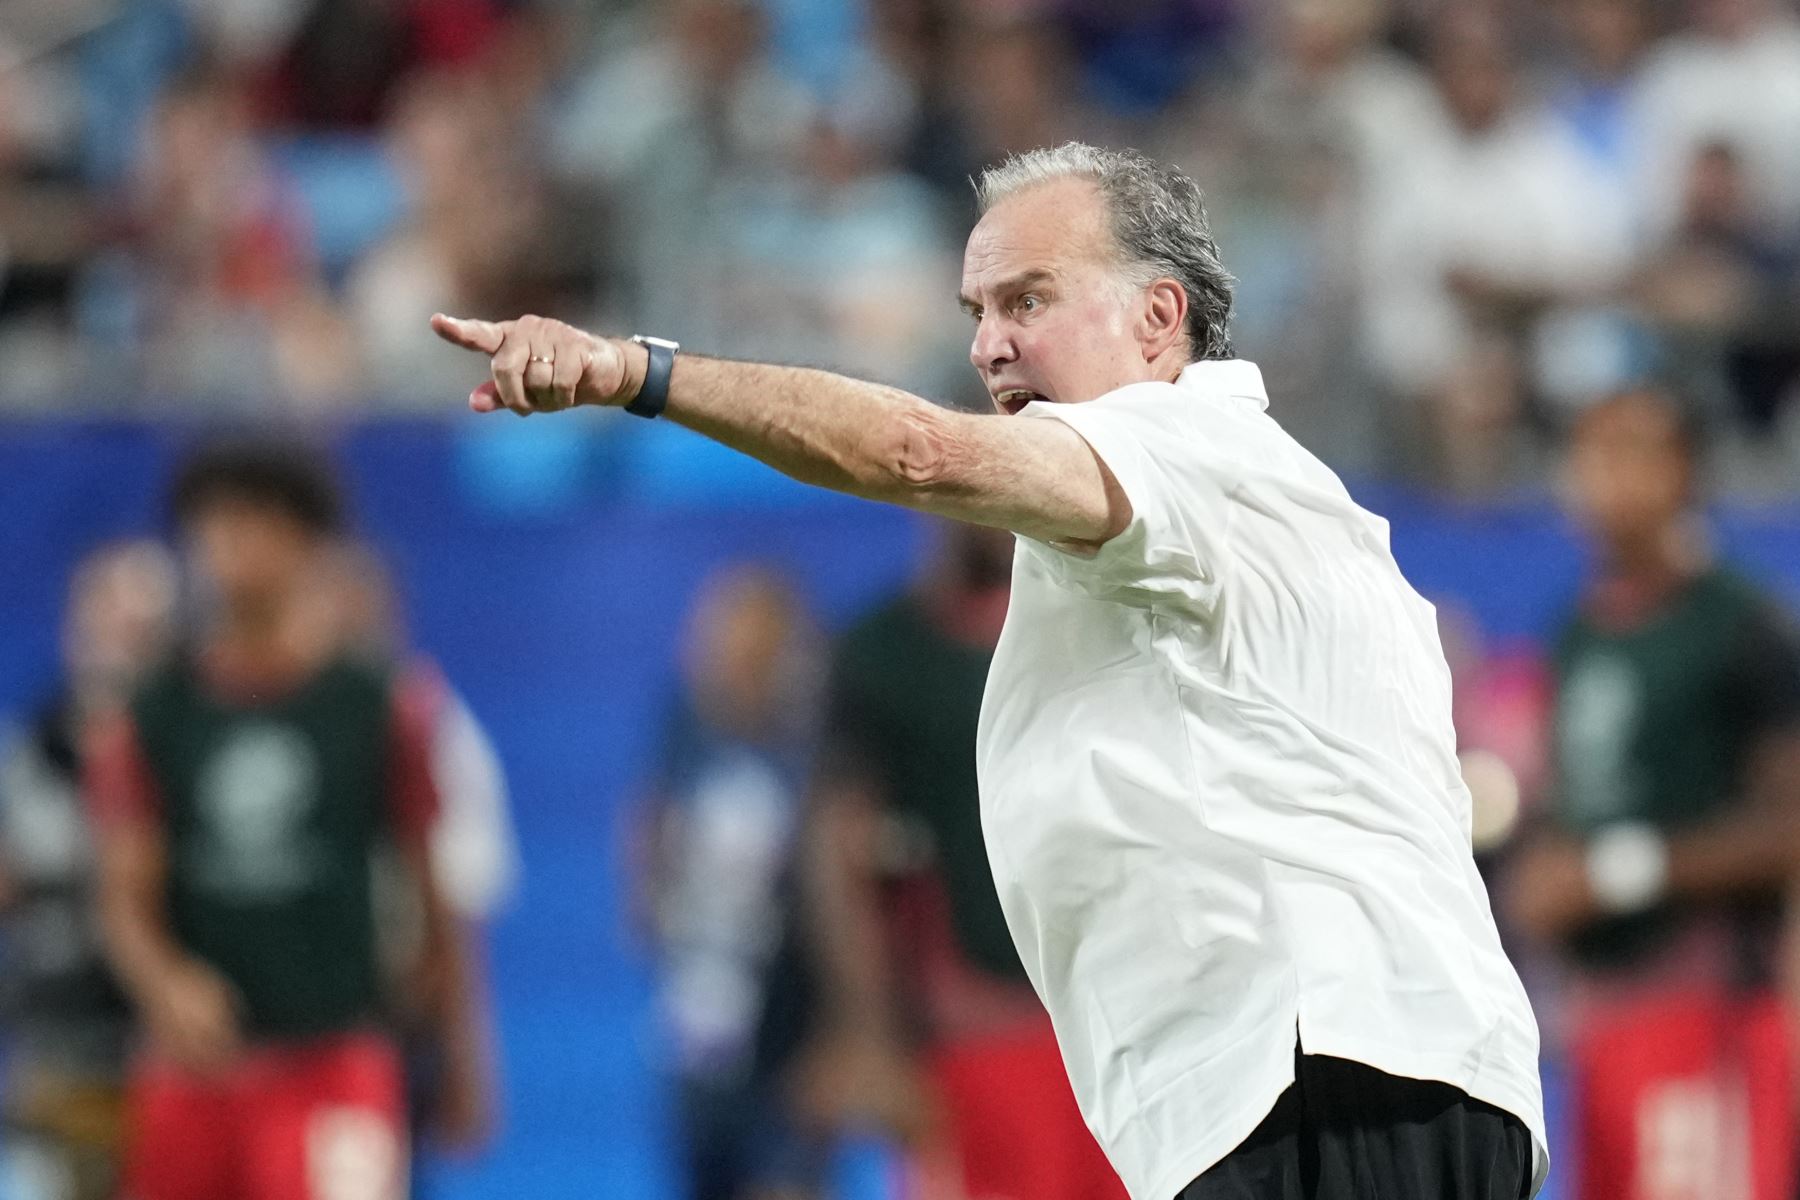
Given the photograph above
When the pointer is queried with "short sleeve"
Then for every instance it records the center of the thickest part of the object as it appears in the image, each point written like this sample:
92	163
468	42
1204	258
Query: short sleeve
474	845
1765	673
1179	489
415	701
116	779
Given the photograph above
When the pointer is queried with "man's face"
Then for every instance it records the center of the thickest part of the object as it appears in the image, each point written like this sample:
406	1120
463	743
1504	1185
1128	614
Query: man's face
1053	320
740	649
250	556
1628	473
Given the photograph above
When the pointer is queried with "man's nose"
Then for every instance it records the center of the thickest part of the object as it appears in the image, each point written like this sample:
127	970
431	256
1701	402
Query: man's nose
993	346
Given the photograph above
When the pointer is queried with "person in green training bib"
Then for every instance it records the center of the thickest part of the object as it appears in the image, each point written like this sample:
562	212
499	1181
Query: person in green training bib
1674	829
929	1025
239	798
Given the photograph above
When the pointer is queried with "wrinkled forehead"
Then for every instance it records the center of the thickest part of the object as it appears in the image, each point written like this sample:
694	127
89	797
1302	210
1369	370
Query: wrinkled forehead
1048	227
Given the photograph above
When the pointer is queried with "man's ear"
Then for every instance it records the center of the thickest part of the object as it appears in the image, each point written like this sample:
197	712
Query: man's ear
1164	319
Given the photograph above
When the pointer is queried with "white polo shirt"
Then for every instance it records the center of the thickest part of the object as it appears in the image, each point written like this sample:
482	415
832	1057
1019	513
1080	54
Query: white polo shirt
1220	793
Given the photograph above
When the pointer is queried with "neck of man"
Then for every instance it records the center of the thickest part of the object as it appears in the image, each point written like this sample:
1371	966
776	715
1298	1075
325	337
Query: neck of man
1168	366
1639	574
265	642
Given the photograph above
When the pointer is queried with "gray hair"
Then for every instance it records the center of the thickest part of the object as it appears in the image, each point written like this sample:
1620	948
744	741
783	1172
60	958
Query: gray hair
1158	222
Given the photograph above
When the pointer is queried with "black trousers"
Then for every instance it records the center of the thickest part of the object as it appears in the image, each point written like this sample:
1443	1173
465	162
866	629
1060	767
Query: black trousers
1346	1131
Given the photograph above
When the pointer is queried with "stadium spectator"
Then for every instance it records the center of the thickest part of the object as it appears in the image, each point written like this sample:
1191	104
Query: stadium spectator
929	1025
346	58
1307	145
1722	290
48	220
221	284
1732	74
1322	73
1595	89
652	126
240	800
844	250
717	877
66	1020
1501	225
1675	825
1025	58
474	229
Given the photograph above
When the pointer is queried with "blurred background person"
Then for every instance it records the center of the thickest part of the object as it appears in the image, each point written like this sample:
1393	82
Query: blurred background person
1729	70
719	838
1311	145
1674	829
473	842
474	848
1722	288
927	1024
1498	235
241	798
1595	84
67	1024
654	125
220	274
474	222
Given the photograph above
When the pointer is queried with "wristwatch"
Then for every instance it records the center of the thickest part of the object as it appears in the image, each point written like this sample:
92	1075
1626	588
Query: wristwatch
654	394
1627	867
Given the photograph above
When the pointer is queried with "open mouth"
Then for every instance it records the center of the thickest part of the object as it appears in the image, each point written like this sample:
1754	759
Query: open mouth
1013	399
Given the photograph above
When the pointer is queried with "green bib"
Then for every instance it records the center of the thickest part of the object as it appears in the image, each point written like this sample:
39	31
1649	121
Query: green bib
271	815
1656	724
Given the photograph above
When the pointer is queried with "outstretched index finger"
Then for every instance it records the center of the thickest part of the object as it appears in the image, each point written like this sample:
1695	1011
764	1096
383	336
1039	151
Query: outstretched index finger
483	336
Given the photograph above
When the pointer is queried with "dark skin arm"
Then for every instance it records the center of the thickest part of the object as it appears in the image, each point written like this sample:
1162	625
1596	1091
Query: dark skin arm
859	1065
455	994
190	1011
1755	846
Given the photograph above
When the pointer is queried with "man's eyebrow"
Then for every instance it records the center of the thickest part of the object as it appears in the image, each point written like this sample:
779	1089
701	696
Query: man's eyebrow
1008	287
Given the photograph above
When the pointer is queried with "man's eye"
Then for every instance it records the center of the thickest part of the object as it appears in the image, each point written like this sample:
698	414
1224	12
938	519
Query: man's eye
1029	304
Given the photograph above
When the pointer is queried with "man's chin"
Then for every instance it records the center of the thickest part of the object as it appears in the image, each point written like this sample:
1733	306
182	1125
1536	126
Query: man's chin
1012	407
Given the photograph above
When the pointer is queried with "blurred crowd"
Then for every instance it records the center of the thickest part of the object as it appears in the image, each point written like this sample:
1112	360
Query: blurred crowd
1455	223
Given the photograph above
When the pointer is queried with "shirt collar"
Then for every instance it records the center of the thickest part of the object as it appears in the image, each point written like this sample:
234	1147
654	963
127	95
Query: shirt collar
1226	377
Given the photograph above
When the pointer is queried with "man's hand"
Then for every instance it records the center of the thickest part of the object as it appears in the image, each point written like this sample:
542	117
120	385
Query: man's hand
462	1111
1548	894
848	1079
541	365
192	1013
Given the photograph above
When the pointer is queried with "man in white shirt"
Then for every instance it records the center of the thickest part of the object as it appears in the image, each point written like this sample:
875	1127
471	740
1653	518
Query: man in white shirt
1217	770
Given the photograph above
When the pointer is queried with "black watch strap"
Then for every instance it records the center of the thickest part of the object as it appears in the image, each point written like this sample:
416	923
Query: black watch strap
653	396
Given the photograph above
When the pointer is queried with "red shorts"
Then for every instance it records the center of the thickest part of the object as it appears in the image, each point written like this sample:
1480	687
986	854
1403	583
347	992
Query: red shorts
1013	1123
320	1121
1684	1096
